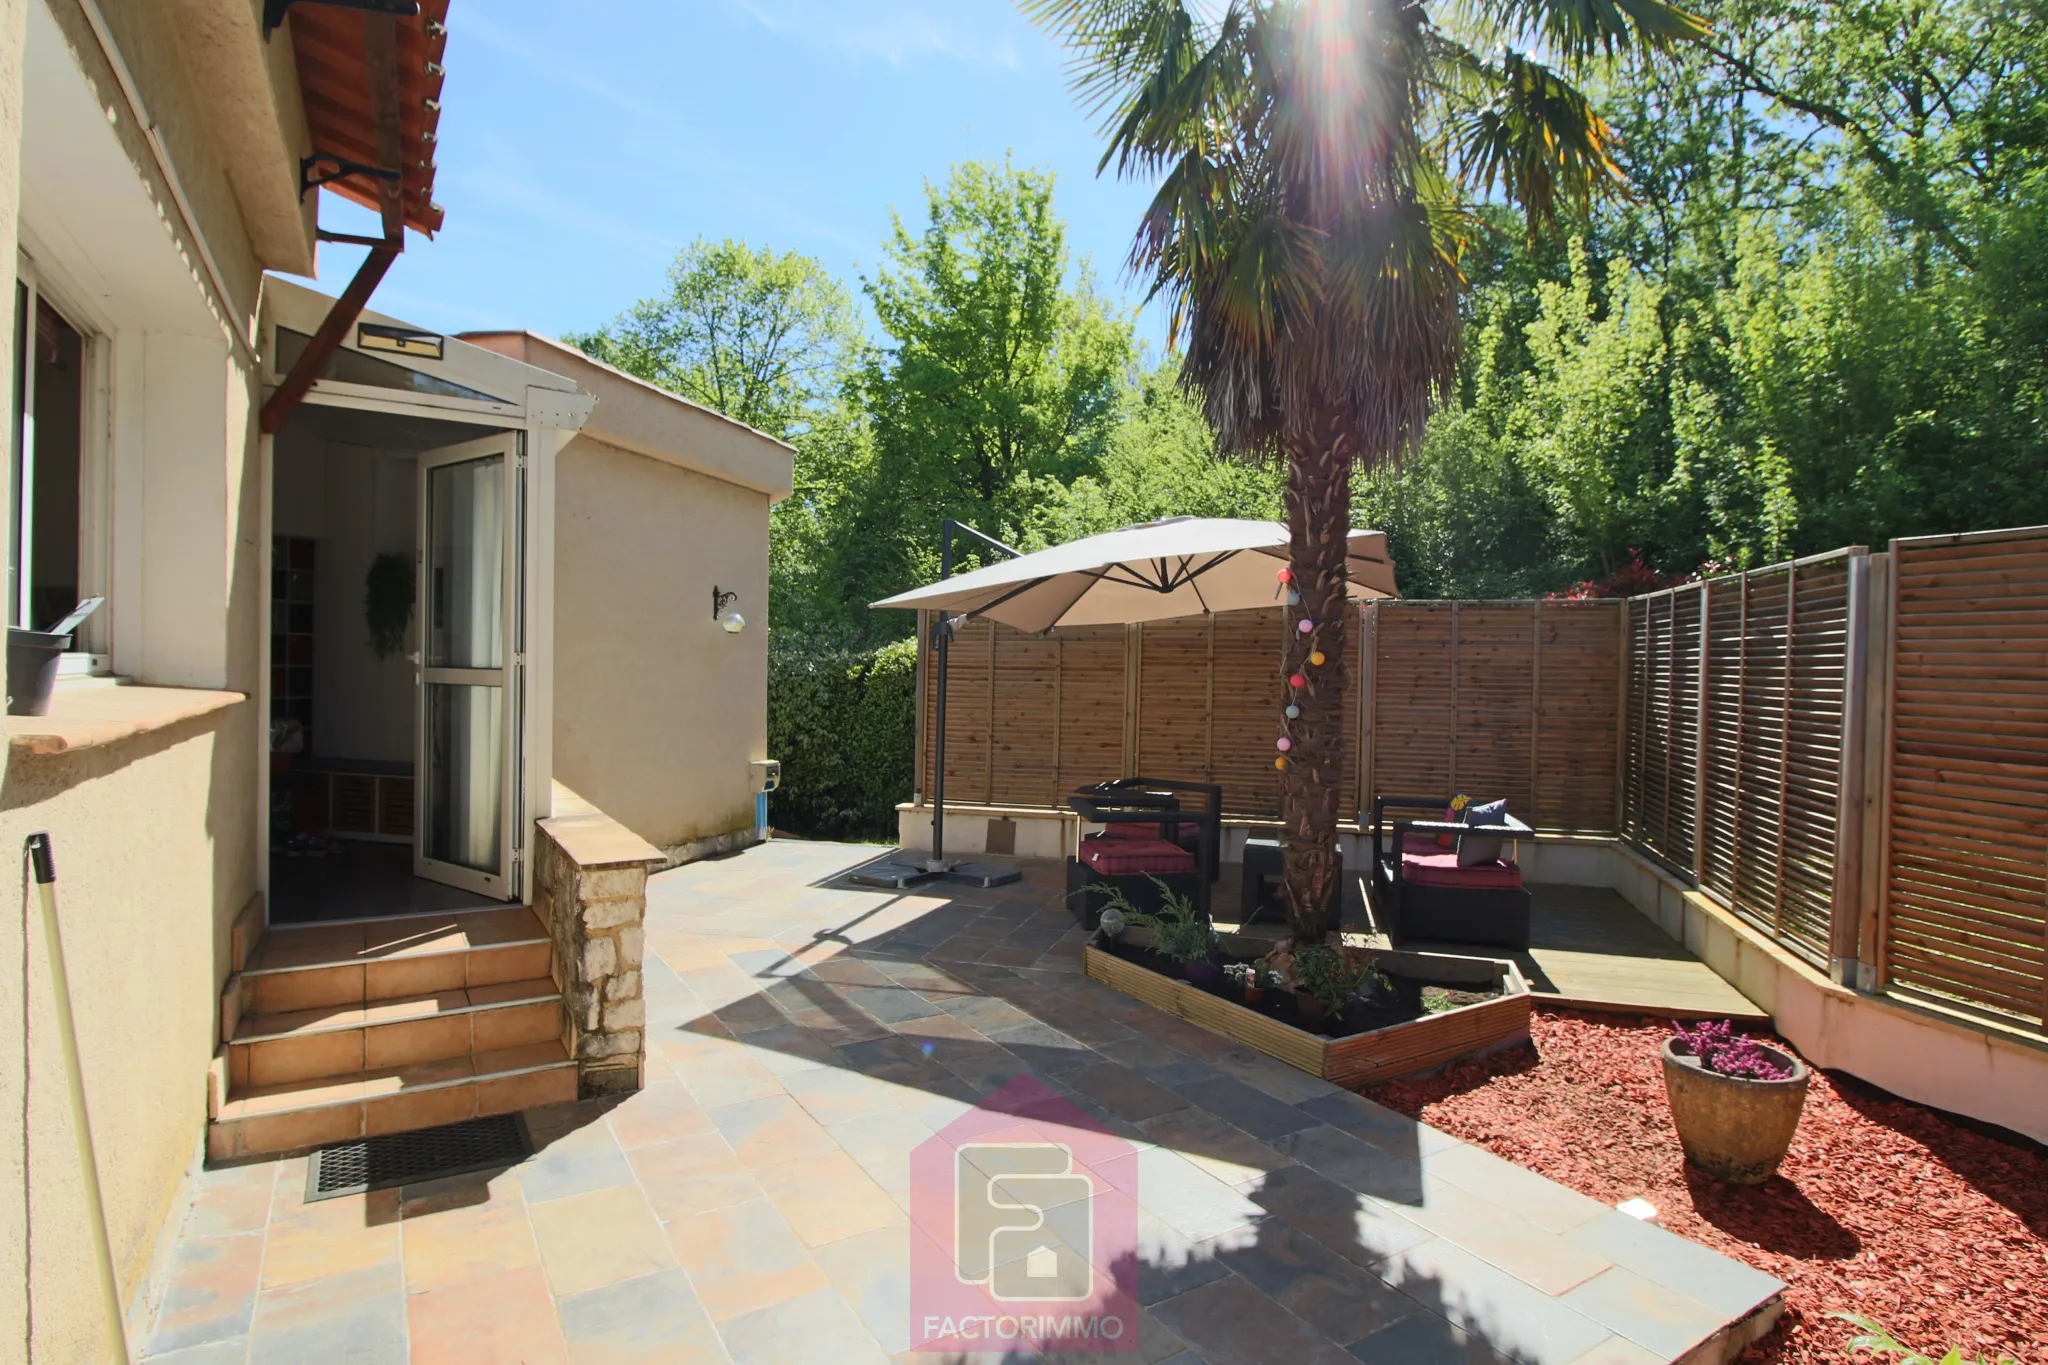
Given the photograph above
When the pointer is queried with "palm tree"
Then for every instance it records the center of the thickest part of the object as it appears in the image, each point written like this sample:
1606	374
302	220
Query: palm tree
1318	165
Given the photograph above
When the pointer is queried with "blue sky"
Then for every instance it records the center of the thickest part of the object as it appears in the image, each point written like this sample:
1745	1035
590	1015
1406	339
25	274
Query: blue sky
582	144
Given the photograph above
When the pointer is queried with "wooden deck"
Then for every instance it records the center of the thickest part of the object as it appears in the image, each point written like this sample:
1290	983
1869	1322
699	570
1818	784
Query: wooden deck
1590	949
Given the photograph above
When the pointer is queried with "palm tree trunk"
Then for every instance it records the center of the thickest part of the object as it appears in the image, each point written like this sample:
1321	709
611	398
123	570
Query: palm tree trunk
1318	502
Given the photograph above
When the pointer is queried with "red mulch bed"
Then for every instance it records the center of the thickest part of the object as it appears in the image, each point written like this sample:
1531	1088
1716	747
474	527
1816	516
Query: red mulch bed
1882	1208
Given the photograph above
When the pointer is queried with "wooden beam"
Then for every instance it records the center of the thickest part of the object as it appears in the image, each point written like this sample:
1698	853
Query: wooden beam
283	403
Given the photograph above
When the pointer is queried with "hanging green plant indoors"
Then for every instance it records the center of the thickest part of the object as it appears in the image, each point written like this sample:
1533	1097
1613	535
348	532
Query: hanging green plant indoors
387	602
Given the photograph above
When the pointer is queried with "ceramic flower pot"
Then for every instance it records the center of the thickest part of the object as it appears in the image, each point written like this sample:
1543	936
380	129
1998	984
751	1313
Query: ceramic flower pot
1201	971
1253	994
1731	1127
1310	1008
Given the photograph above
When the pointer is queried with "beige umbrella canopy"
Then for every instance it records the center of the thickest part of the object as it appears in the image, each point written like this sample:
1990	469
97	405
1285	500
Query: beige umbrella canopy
1183	566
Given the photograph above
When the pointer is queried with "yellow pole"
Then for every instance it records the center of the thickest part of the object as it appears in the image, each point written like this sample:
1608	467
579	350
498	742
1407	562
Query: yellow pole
74	1083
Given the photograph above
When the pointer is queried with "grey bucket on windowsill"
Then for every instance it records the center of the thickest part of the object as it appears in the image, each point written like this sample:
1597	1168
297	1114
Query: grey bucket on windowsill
32	659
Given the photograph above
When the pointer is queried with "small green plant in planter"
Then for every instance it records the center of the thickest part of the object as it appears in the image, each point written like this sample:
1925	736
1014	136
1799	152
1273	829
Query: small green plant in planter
1327	977
1876	1339
387	602
1179	931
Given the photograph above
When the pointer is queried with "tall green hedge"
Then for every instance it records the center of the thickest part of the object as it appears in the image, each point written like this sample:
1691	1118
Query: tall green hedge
843	723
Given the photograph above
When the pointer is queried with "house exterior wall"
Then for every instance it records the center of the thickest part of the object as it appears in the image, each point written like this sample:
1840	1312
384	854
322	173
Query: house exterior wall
658	709
154	848
154	833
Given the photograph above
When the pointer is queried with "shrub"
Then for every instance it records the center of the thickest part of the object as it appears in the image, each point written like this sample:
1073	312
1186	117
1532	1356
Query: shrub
1179	931
844	725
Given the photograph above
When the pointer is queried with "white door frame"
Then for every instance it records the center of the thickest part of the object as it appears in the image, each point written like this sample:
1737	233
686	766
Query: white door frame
508	675
550	410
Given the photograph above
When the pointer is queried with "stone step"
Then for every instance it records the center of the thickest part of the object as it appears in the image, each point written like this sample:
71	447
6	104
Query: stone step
338	1040
293	1116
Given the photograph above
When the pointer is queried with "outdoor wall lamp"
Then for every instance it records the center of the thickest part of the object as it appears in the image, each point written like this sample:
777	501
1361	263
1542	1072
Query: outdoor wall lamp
721	600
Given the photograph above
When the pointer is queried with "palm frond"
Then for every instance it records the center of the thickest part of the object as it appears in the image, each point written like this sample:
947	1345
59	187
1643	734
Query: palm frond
1577	30
1534	137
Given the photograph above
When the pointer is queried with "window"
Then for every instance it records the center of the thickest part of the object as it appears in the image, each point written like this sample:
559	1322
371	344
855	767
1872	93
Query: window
43	578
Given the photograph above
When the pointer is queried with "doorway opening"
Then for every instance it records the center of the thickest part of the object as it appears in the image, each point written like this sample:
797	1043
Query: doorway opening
394	580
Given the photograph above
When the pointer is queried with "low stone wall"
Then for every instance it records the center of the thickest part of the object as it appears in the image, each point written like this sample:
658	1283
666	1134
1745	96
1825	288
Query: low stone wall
590	887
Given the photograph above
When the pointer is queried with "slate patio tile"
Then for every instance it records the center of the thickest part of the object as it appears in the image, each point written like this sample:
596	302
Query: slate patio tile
1156	1345
771	1131
881	1144
1230	1321
210	1291
892	1004
588	1241
232	1199
1339	1299
1356	1228
1194	1203
585	1159
1541	1201
355	1318
811	1329
742	1259
1496	1232
1727	1286
1122	1091
827	1198
871	1272
831	1095
724	1077
1283	1082
657	1113
1222	1149
1516	1319
690	1176
1392	1132
486	1321
789	1048
456	1245
1170	1262
1652	1315
1425	1339
654	1320
1245	1107
1619	1351
1357	1166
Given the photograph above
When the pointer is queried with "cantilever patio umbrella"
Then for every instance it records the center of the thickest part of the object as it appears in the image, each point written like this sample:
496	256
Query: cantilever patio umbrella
1183	566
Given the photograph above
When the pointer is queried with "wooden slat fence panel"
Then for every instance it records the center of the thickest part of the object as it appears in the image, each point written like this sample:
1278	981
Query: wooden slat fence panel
1964	908
1735	717
1513	699
1493	699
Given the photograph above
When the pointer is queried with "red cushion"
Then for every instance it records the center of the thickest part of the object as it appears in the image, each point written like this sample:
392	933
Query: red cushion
1419	844
1441	869
1136	857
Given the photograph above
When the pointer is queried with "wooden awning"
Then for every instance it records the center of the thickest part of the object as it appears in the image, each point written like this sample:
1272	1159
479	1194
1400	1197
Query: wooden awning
339	86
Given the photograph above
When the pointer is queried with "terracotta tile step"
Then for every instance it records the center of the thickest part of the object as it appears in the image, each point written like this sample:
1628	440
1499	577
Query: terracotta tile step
259	1120
344	980
360	941
338	1040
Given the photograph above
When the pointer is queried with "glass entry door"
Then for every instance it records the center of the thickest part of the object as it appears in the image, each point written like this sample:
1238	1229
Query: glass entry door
469	664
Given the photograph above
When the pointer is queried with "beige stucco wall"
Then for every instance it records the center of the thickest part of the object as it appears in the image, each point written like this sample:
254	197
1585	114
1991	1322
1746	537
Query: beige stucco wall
658	710
154	839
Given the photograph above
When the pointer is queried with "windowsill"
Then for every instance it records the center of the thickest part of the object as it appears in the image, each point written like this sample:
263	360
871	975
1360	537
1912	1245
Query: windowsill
86	713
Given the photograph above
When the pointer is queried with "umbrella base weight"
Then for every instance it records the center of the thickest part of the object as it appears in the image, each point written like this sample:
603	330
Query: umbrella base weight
899	874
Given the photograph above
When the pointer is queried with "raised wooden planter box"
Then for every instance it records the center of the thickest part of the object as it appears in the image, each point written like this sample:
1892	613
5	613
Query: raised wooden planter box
1382	1055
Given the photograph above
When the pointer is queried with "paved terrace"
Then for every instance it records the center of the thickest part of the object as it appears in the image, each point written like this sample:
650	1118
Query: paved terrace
751	1204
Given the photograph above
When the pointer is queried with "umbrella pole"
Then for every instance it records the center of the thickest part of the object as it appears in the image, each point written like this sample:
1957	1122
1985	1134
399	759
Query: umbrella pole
943	634
901	872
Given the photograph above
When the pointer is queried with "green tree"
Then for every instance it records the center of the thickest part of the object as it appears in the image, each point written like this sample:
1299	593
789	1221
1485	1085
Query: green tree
1316	160
1001	369
766	337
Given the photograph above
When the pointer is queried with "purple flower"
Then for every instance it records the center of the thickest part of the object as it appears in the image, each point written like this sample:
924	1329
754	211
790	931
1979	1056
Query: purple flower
1725	1052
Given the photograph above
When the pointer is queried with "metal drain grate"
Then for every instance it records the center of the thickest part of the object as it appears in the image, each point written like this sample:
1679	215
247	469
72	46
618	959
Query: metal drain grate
428	1154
